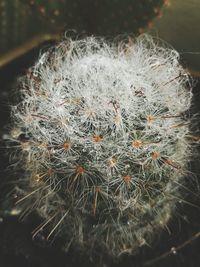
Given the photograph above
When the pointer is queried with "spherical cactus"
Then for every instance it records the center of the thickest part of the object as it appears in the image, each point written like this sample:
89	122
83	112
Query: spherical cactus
102	139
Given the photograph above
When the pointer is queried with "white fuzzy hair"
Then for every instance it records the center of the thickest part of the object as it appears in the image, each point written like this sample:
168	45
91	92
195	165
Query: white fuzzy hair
105	144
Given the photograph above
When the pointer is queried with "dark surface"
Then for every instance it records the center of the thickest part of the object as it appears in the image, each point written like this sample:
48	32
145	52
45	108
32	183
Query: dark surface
17	247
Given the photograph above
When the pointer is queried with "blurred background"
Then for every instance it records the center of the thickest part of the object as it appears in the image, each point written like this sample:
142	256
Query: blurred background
28	27
180	27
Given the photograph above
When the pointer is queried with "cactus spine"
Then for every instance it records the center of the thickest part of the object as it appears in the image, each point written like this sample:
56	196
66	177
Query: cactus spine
101	135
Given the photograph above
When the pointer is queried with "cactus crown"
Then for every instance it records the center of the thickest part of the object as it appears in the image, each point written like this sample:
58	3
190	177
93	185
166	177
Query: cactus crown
103	140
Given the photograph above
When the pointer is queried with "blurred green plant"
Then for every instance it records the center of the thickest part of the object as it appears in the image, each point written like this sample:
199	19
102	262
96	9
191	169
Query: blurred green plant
21	20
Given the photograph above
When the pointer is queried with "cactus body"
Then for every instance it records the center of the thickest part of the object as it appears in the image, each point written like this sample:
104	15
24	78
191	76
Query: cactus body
102	140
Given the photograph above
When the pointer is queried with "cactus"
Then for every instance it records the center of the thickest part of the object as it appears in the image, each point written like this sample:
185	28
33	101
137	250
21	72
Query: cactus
101	135
21	19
